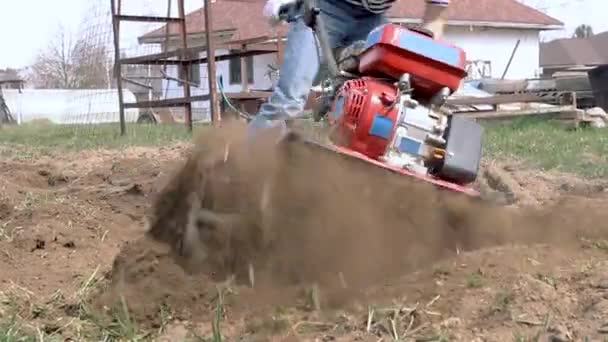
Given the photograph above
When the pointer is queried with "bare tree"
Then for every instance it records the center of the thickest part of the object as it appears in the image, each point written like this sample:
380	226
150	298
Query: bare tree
69	63
583	31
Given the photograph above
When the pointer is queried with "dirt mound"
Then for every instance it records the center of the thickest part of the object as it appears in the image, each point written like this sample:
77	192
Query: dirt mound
517	184
62	216
344	225
147	278
65	217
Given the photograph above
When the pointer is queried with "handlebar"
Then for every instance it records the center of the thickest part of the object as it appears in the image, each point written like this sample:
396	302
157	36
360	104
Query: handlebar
288	11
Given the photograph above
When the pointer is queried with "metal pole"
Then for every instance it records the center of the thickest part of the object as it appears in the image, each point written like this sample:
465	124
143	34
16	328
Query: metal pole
117	65
504	73
213	102
185	65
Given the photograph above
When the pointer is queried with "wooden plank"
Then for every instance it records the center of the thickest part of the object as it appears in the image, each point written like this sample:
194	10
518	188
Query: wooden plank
249	95
132	81
494	100
180	101
173	102
144	18
561	111
160	58
248	41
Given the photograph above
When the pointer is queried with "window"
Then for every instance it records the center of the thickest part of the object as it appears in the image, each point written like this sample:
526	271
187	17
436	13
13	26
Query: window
195	72
235	69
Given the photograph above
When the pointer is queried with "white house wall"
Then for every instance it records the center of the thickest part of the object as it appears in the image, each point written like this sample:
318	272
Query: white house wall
200	109
481	44
496	45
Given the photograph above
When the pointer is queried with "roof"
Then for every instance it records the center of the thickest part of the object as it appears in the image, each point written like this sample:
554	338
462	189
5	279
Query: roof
10	76
244	27
497	13
575	51
480	12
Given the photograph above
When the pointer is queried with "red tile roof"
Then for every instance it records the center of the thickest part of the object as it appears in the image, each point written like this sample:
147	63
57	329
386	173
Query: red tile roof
249	23
493	11
245	16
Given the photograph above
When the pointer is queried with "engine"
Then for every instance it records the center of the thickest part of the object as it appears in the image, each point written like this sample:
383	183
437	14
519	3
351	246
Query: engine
392	113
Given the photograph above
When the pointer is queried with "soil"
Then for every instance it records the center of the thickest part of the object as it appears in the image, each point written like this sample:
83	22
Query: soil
533	264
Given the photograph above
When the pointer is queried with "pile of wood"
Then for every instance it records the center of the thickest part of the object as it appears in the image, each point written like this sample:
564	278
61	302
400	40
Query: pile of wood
508	99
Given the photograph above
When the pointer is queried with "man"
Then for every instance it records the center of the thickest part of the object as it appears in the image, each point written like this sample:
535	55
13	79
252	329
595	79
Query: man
346	21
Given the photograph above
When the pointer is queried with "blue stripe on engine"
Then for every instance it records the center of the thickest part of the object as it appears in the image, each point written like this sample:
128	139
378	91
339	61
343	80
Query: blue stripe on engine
374	36
428	47
410	146
381	126
419	44
338	111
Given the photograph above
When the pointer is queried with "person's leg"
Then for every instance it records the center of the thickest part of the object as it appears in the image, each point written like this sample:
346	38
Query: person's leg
364	24
300	66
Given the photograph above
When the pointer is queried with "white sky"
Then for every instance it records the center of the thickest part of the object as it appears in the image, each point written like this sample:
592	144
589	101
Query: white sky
26	26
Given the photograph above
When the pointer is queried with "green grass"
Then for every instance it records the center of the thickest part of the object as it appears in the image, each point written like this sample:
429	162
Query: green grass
474	280
538	142
50	137
15	333
549	146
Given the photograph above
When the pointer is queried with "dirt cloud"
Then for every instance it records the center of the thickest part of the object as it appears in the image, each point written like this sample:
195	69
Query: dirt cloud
329	216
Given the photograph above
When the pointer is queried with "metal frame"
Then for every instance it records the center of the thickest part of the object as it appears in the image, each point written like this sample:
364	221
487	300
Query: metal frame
186	101
180	57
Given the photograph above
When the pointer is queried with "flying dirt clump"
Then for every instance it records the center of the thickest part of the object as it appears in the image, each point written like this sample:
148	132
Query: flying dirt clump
297	215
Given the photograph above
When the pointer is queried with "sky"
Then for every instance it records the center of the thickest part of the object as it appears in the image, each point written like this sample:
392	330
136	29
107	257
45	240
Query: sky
28	26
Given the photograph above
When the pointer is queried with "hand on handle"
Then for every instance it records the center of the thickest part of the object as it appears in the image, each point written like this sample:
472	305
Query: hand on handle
272	9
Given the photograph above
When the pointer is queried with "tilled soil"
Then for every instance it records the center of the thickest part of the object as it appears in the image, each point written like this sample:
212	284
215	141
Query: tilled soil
67	220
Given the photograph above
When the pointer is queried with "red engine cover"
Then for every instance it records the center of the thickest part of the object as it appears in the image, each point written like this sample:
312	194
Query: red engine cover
364	116
393	50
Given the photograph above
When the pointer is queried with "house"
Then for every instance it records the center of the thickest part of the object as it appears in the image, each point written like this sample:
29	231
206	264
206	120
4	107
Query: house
10	79
574	53
488	30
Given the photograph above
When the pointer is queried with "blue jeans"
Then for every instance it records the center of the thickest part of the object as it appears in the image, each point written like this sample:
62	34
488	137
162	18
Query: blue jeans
344	24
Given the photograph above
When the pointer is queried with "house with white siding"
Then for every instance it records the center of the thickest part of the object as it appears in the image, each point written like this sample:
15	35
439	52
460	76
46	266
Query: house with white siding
494	34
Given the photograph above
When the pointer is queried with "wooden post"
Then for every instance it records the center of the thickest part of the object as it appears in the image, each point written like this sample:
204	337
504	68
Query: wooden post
244	71
211	75
186	65
117	65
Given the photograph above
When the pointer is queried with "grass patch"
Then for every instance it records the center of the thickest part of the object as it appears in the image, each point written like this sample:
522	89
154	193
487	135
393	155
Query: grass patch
474	281
502	302
539	142
548	145
12	332
51	137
